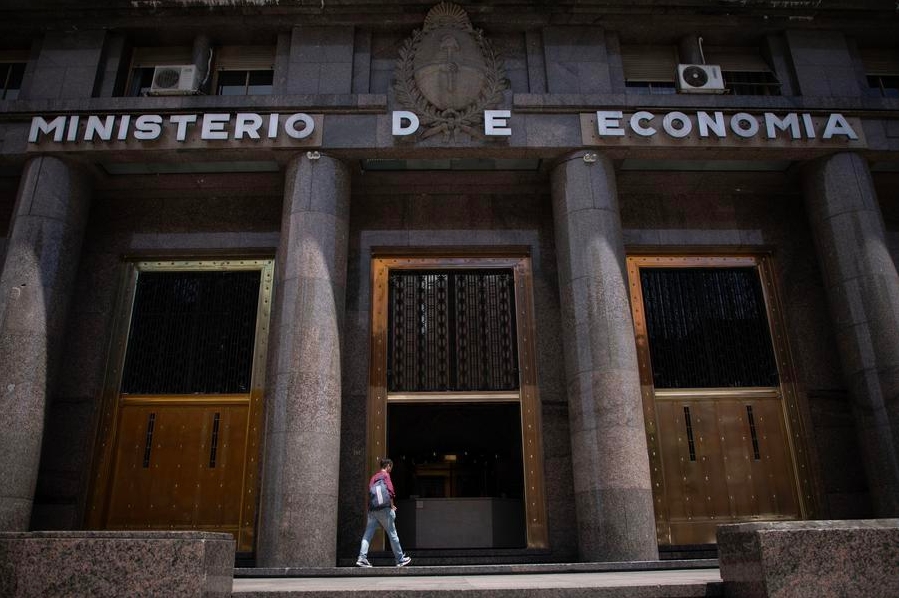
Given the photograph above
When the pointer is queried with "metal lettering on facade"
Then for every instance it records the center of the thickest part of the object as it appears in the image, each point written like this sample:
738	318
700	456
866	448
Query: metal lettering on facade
174	130
644	128
603	127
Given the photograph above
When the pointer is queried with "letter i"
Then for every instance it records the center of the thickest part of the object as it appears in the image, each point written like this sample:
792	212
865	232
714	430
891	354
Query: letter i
72	133
123	127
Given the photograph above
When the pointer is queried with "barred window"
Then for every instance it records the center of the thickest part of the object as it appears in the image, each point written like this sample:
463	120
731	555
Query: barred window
192	332
452	330
707	328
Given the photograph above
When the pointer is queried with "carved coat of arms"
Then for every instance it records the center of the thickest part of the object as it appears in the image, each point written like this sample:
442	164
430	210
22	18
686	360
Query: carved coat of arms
448	74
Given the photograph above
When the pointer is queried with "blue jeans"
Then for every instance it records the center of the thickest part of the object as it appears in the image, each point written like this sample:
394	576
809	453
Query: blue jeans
385	518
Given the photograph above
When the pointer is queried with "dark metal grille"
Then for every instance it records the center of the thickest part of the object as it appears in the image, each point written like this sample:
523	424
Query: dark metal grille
192	332
707	328
452	331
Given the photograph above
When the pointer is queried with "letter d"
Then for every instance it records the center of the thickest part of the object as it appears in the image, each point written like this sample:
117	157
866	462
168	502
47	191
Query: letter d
398	128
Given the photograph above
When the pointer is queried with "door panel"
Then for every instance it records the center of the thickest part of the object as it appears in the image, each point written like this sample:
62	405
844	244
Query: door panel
720	469
179	466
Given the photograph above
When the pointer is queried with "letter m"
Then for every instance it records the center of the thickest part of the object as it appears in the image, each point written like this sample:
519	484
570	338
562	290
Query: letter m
56	126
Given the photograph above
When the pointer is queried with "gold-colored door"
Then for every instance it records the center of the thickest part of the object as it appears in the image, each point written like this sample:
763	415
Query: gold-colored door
718	401
181	420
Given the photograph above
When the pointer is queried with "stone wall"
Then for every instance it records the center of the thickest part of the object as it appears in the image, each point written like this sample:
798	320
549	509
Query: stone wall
813	558
114	564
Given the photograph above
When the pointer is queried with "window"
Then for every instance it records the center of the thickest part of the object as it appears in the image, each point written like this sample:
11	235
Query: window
649	70
11	74
145	60
12	71
244	83
744	71
881	72
244	70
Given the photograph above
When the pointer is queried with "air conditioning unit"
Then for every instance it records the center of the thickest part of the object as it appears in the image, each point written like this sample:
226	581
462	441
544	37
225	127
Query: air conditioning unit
700	78
177	79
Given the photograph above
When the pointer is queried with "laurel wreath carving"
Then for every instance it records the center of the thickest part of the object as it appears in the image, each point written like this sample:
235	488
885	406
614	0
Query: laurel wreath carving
449	122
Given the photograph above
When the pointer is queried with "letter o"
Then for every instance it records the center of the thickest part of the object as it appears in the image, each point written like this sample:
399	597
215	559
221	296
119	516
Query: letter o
306	131
685	124
751	123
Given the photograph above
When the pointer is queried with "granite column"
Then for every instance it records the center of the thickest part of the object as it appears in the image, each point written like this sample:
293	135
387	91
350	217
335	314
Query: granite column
36	285
861	285
613	498
299	498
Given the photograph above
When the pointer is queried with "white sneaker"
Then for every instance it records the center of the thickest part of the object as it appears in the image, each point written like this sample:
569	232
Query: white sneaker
363	562
404	561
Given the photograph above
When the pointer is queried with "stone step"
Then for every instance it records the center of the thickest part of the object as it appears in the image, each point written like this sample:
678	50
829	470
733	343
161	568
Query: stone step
656	579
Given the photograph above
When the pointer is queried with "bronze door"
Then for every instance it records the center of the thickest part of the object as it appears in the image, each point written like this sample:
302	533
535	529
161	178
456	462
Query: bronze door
719	407
181	422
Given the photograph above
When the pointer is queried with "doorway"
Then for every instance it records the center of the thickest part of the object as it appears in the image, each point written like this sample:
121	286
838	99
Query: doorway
719	403
458	474
179	440
453	399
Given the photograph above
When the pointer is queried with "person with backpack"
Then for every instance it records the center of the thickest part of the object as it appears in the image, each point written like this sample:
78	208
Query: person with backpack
382	511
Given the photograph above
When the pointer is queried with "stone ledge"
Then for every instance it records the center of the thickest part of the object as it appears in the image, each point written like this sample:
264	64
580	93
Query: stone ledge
809	558
113	564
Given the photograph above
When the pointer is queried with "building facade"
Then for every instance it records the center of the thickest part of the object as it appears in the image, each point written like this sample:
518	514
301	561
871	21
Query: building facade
598	276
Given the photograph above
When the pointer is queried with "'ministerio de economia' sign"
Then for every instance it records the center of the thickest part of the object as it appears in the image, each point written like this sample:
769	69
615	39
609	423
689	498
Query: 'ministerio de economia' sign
600	128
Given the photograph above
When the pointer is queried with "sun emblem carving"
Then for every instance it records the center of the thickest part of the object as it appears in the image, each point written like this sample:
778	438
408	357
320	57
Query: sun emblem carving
448	73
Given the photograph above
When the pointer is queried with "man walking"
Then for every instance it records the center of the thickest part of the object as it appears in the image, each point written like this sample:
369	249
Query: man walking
382	511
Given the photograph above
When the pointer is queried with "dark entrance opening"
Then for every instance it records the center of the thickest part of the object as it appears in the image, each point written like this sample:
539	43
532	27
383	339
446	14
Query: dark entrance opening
458	474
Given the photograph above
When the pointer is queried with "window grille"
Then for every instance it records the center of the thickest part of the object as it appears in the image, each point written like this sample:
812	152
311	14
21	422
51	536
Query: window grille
707	328
192	332
452	330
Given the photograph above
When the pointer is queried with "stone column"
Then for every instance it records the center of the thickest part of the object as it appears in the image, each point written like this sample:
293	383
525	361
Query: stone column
35	287
299	498
861	285
613	500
